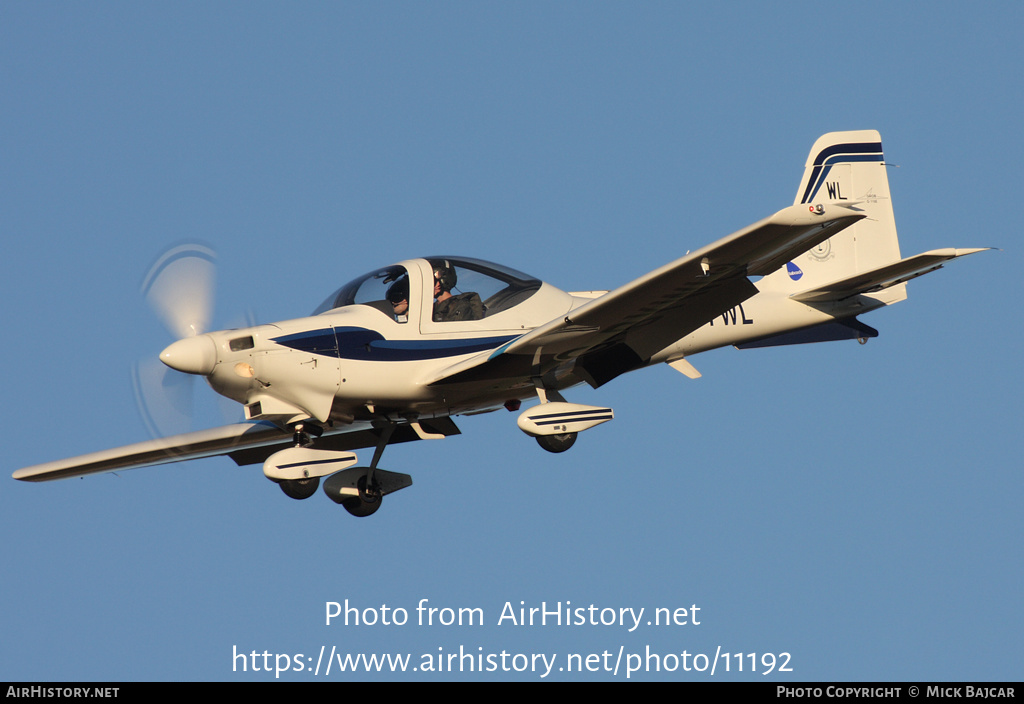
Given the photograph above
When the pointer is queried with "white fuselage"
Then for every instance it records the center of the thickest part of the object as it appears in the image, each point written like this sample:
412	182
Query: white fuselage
361	361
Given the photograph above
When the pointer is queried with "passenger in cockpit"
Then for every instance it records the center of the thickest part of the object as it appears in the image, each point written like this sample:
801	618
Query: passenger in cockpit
448	307
398	296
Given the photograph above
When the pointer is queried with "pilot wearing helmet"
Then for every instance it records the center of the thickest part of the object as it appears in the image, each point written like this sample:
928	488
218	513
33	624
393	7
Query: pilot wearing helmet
449	307
398	296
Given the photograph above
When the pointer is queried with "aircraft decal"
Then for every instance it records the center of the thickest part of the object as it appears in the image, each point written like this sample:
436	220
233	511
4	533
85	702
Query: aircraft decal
369	345
577	416
838	153
834	191
734	316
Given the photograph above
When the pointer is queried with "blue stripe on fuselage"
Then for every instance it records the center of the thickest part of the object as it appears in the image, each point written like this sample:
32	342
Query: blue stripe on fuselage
321	341
370	345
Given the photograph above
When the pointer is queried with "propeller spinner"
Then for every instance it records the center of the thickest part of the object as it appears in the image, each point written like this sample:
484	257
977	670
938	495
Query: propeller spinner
192	355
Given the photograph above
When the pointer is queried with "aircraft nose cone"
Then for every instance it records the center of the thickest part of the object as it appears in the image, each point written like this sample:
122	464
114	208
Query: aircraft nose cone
193	355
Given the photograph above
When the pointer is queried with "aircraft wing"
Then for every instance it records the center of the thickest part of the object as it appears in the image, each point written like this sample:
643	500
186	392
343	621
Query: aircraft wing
246	443
622	329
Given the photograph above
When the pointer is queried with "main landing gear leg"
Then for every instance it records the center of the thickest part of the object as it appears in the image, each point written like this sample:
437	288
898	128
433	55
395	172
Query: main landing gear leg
302	435
370	496
552	443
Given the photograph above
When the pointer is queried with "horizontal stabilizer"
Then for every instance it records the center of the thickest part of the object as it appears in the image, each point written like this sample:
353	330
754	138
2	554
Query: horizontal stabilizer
883	277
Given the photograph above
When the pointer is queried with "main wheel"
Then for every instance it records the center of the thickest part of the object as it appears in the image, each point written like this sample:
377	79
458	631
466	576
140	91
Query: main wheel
556	443
367	503
300	488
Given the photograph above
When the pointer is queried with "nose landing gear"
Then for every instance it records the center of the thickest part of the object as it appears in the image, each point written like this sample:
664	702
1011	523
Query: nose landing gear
361	490
367	502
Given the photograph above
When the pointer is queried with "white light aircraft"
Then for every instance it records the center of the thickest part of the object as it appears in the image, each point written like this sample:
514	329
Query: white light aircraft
382	362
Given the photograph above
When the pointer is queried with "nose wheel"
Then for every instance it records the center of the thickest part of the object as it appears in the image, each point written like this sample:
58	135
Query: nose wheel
298	471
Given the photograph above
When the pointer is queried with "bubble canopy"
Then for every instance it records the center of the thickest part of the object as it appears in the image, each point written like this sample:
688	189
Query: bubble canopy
499	287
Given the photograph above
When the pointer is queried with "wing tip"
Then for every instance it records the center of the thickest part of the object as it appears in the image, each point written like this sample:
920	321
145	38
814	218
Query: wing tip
31	474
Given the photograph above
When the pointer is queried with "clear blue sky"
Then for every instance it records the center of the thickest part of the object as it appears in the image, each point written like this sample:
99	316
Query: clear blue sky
855	507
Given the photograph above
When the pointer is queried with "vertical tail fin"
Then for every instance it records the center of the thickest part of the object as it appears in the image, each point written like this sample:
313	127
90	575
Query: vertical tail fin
846	168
